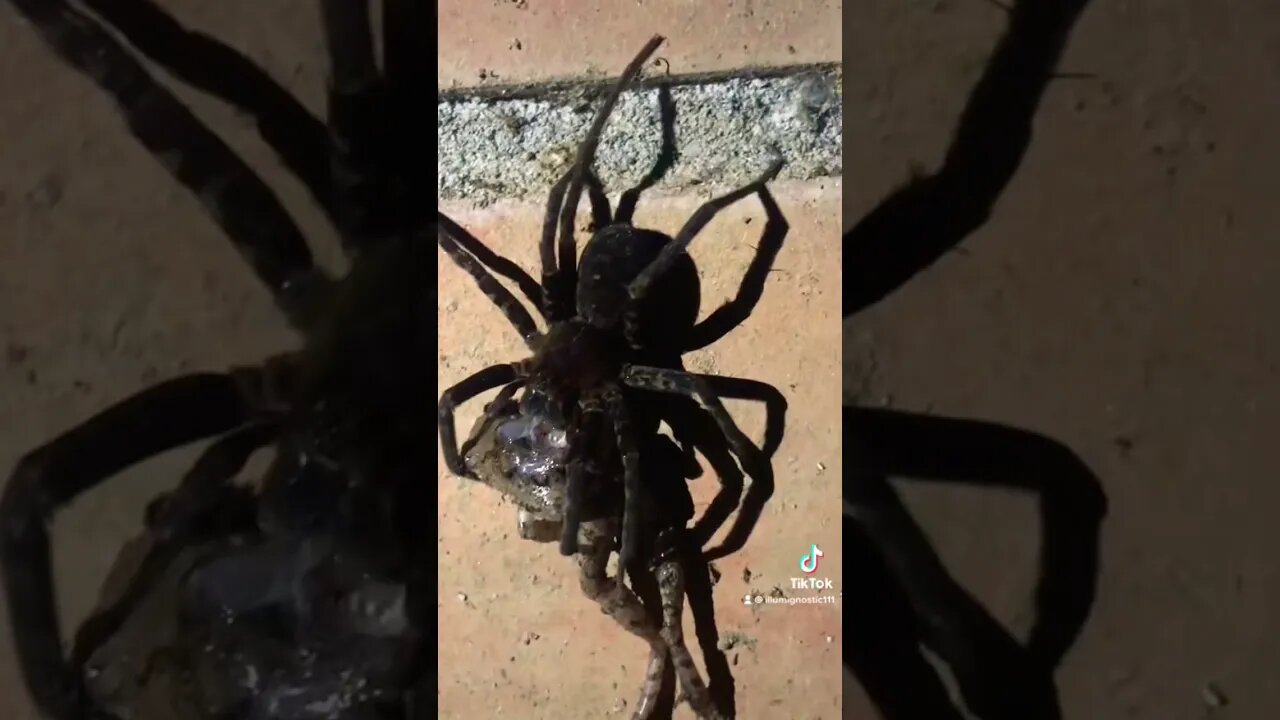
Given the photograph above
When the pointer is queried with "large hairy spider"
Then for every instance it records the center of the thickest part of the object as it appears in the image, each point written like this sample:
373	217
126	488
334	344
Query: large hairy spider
305	599
593	350
579	452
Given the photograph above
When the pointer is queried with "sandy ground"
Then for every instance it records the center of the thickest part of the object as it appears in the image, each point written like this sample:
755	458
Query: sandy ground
1119	299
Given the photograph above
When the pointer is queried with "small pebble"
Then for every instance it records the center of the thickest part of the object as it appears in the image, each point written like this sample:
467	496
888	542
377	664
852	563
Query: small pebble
1213	696
462	597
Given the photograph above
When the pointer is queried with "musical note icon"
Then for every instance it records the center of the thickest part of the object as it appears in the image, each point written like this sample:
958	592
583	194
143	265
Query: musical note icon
809	562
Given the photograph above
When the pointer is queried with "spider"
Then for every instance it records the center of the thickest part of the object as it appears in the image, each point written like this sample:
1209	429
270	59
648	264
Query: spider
593	354
526	448
291	567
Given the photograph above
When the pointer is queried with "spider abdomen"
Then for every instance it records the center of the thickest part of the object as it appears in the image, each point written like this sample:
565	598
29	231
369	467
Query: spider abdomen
611	260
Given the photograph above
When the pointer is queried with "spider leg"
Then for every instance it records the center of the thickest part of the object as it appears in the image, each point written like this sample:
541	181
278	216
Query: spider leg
237	199
181	513
510	306
619	603
162	417
486	379
601	215
491	410
680	243
558	301
670	577
754	462
591	407
200	498
628	448
206	63
585	160
574	498
360	147
666	158
734	312
492	260
691	425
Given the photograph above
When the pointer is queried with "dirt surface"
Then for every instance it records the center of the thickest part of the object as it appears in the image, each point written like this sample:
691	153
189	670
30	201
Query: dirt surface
1119	299
516	632
514	42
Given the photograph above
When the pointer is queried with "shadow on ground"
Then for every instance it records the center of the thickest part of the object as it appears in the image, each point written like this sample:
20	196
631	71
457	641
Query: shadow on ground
905	599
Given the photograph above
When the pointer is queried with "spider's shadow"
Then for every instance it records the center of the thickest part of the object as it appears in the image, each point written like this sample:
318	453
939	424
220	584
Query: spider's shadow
895	568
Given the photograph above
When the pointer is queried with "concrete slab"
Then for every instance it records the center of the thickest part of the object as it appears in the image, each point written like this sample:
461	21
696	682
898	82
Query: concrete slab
516	632
524	41
725	134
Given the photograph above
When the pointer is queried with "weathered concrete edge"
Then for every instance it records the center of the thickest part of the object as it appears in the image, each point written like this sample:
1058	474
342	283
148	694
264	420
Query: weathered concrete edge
592	87
727	130
786	192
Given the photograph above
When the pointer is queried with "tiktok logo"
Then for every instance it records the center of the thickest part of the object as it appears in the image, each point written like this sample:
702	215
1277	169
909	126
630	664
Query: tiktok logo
809	562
